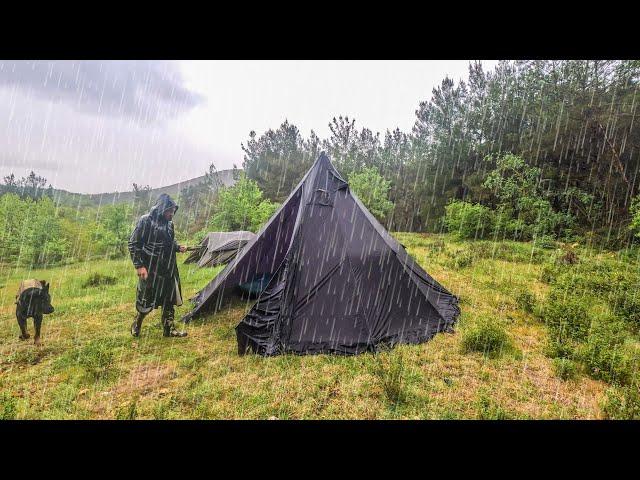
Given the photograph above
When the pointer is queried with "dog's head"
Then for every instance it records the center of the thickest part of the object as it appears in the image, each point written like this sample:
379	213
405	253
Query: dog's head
45	298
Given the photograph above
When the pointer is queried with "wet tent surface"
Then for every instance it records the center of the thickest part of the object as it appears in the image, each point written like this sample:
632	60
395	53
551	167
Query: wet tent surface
218	248
340	283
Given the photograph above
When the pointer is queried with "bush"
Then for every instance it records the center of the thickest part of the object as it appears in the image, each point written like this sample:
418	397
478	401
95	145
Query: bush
241	207
626	304
559	348
487	337
604	354
567	319
467	220
30	232
634	210
546	241
460	259
114	229
549	273
524	207
526	301
623	403
98	279
575	283
564	368
567	256
508	228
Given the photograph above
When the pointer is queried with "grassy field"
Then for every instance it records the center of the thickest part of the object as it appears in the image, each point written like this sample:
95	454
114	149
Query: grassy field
89	366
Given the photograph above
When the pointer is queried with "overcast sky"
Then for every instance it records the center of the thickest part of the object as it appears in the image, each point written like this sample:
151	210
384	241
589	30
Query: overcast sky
99	126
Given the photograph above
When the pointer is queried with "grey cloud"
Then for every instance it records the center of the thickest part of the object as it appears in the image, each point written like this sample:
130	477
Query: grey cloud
23	162
145	91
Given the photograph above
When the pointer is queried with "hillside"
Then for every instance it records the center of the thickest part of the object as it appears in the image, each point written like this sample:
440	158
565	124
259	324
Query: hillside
90	367
90	199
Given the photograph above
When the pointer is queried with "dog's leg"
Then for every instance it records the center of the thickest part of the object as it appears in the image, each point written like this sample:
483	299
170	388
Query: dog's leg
37	321
22	323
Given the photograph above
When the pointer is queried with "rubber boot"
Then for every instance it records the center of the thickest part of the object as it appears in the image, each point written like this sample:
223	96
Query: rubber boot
169	329
137	324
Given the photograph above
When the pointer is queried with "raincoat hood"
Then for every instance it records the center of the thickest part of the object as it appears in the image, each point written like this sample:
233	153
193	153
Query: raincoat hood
163	203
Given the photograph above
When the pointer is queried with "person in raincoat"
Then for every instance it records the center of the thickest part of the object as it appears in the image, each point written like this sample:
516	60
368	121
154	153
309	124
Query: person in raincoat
153	249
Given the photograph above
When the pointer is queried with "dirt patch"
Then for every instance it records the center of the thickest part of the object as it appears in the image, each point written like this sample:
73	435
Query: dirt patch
143	380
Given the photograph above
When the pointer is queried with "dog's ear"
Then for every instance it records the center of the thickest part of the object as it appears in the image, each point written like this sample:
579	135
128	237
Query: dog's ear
45	285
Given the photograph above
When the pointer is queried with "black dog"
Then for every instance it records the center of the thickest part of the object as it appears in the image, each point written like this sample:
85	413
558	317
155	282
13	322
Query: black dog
32	300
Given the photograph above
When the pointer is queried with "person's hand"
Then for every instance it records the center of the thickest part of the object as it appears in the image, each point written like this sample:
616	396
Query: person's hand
183	249
142	273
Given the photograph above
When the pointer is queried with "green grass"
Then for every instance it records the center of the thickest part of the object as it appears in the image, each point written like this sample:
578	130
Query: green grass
90	367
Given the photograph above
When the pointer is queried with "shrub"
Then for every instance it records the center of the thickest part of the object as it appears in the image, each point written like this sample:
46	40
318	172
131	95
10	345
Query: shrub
460	259
30	231
574	283
114	229
505	227
545	241
98	279
549	273
524	207
567	256
564	368
241	207
559	348
468	220
487	337
626	304
623	403
526	301
630	254
634	210
604	354
567	319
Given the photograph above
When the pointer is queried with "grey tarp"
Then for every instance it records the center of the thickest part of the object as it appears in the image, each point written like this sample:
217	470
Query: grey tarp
339	283
218	248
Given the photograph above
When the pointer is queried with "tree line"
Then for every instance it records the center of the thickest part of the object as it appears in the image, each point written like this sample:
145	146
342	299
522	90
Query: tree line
573	121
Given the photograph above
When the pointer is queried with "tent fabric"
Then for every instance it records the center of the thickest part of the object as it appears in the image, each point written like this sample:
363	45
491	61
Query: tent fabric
218	248
339	282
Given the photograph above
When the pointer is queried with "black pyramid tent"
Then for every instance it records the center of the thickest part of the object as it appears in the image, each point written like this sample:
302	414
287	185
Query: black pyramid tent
339	283
218	248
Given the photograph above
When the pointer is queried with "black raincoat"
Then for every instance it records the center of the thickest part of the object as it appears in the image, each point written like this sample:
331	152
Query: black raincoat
152	245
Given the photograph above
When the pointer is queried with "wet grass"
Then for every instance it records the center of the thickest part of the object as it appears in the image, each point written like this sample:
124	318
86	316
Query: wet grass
495	366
